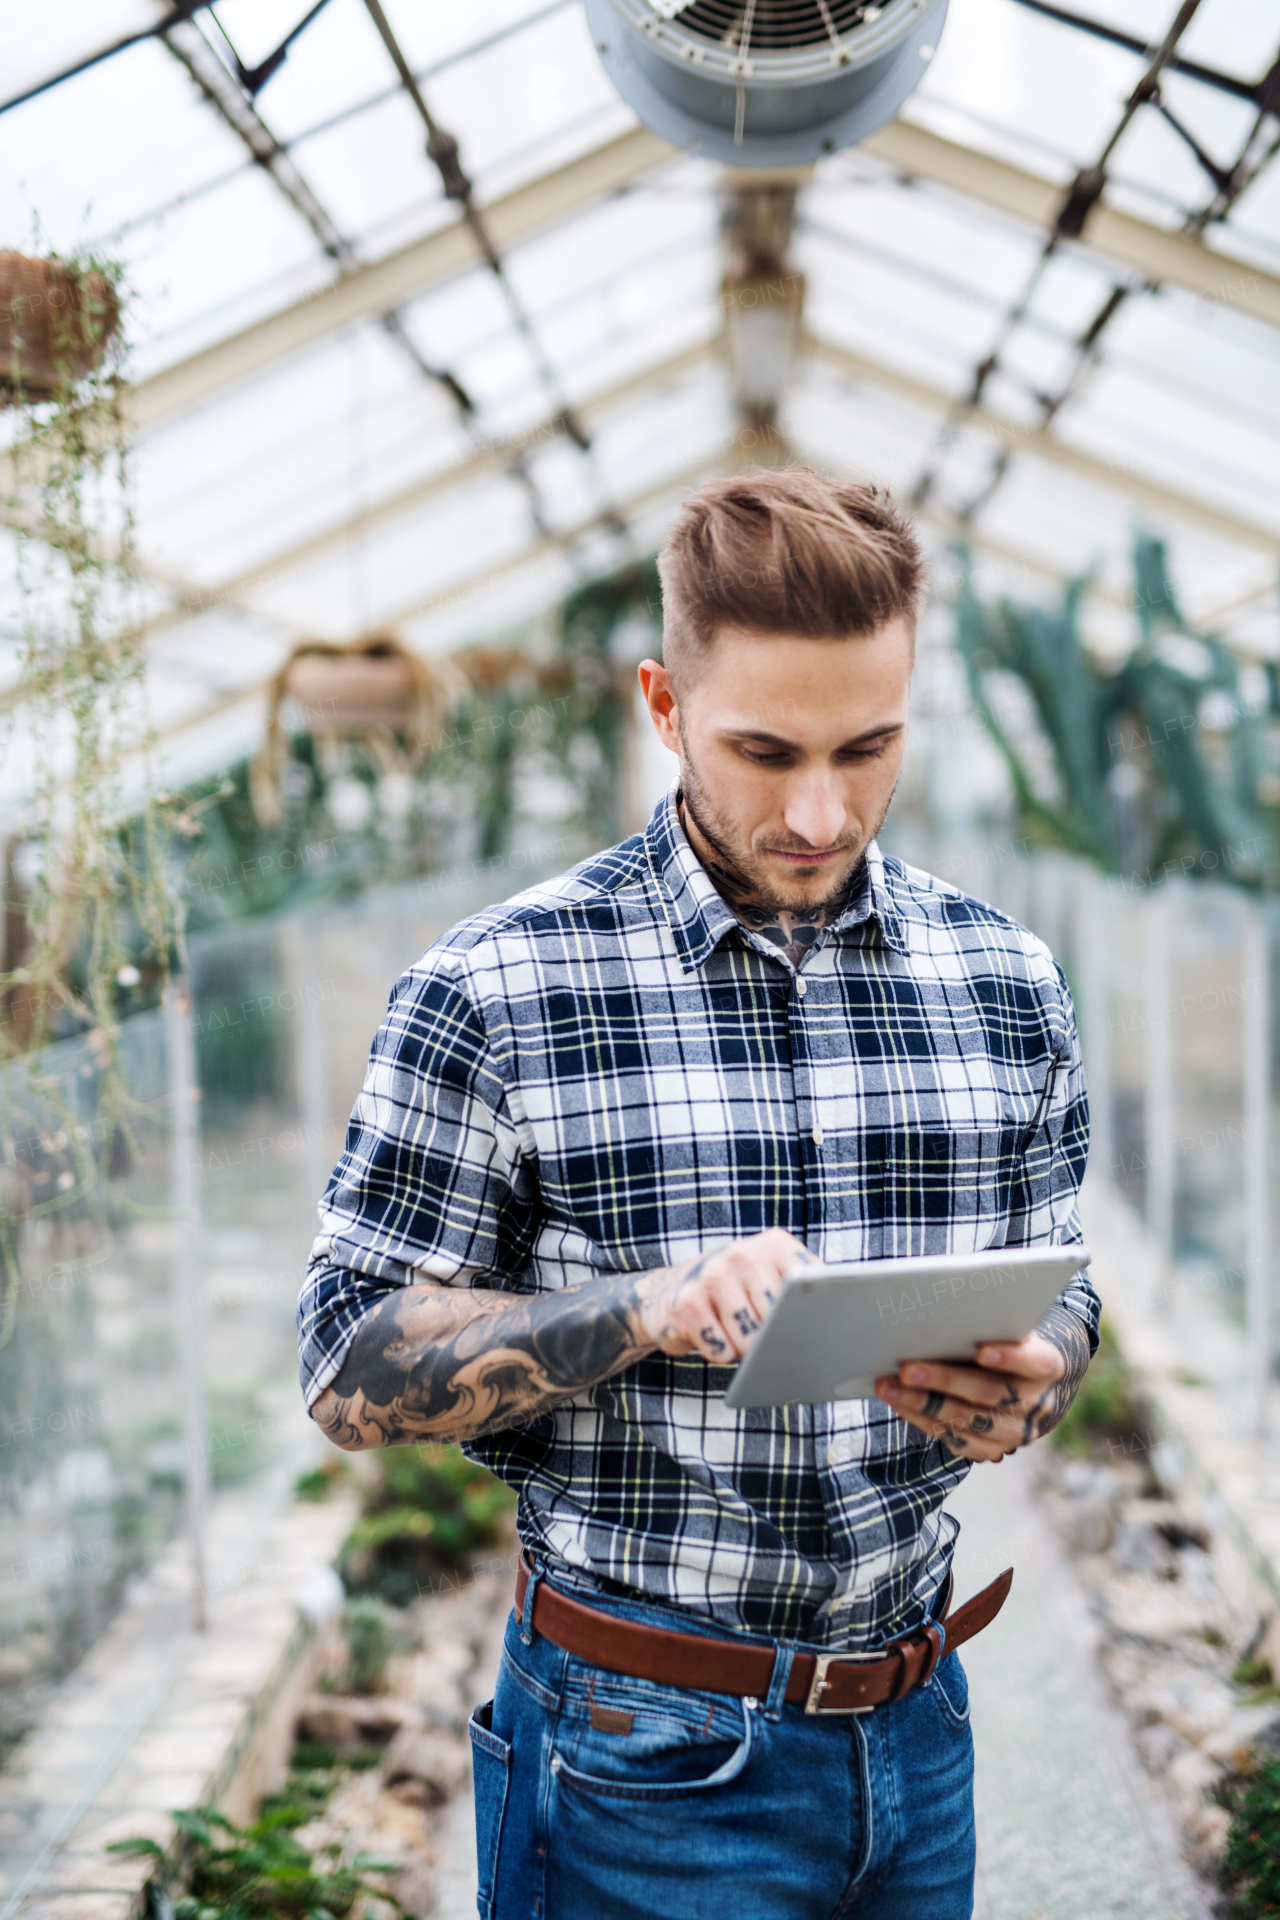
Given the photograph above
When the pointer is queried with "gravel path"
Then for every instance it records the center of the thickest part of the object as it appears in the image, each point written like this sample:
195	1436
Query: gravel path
1068	1825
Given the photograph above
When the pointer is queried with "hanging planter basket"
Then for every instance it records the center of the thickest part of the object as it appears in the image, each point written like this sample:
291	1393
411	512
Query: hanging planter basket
372	690
348	693
55	325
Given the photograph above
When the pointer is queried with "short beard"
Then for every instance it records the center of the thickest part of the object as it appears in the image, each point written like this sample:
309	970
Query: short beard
744	886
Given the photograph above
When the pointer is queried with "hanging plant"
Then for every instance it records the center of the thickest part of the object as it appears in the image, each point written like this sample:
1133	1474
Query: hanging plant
77	875
57	320
371	690
380	767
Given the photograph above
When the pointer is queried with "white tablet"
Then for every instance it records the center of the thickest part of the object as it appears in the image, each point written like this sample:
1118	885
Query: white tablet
833	1331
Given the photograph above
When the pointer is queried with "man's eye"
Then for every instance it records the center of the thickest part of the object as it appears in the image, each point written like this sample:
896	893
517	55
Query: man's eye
851	755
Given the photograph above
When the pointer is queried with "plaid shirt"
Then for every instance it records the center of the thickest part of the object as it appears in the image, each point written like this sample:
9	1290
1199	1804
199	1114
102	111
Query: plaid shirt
611	1072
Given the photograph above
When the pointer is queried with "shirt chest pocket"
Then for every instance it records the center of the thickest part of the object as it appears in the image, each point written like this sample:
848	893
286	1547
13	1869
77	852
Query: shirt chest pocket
940	1188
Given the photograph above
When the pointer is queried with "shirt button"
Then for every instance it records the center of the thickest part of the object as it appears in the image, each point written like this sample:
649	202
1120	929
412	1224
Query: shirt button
802	985
818	1136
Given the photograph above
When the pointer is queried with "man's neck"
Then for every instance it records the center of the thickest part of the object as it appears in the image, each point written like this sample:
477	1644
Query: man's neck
793	930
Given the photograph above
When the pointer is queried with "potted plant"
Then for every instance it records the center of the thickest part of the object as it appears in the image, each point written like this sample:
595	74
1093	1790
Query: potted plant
82	877
372	689
56	321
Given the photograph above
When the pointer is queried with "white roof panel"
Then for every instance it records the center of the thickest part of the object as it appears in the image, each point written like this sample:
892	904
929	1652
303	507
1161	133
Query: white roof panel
913	278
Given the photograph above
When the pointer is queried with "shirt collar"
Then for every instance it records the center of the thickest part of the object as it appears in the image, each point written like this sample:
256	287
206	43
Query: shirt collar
699	918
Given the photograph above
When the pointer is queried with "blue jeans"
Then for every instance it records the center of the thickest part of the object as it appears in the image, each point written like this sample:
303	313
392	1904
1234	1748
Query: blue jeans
600	1797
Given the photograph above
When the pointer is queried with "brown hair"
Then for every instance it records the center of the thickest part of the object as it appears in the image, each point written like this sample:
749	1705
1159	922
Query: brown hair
785	552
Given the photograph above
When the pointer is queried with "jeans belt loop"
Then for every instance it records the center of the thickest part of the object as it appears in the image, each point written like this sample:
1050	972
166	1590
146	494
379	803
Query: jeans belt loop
936	1633
526	1616
783	1661
899	1687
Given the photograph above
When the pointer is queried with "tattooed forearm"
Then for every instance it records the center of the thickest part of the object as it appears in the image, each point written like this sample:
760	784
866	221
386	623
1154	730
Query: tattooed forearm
1065	1331
443	1363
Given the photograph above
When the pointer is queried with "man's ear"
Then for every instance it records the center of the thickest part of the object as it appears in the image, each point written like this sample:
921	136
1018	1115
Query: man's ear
660	698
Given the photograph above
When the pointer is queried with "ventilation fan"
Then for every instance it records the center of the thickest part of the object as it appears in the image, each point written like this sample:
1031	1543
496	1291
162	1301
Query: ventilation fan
765	83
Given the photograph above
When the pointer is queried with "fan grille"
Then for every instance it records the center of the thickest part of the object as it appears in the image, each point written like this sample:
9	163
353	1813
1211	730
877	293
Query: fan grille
774	26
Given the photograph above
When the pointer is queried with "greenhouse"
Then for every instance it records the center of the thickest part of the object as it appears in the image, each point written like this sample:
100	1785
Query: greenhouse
367	372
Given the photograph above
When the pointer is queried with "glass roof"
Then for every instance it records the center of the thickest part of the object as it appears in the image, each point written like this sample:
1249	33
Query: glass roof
339	486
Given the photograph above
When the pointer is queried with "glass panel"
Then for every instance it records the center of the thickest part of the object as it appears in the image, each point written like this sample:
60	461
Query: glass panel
93	1455
139	118
40	42
93	1459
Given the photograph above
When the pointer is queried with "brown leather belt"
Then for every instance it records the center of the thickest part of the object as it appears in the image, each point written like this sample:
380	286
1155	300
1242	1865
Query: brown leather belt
820	1682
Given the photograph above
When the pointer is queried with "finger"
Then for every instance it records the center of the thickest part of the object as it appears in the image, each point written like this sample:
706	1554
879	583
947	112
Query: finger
1034	1358
735	1297
743	1292
762	1285
964	1447
694	1325
936	1413
959	1441
741	1305
752	1268
984	1389
713	1340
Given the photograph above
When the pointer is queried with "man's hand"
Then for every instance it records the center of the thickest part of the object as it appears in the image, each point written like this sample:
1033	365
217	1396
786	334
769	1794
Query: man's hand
1014	1395
714	1306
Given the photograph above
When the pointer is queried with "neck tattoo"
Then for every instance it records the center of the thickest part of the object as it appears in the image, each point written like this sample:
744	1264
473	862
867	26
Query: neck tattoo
793	930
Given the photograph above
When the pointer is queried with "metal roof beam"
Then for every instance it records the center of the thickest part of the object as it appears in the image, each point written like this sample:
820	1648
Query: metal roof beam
495	457
1042	445
1159	255
1153	252
371	290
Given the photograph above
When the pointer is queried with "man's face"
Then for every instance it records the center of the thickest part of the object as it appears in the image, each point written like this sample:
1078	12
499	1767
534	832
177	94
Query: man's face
790	750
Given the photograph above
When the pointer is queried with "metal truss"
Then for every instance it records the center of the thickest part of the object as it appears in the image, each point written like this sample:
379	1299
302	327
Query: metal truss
1078	216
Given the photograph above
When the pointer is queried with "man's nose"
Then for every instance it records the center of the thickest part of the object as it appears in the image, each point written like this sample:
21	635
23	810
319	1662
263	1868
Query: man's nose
814	809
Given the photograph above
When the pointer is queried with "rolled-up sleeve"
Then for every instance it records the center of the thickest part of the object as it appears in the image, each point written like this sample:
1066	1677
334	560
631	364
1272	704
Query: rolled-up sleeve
1046	1209
436	1181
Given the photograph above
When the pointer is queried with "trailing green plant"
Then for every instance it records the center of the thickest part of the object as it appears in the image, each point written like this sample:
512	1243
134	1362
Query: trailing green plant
80	694
89	888
428	1510
1167	762
261	1872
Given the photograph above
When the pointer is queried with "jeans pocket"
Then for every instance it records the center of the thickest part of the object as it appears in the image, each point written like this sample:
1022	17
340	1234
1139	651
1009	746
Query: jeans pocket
949	1691
491	1765
633	1740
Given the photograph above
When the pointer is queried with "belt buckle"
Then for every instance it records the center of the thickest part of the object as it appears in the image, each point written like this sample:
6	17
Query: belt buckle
818	1685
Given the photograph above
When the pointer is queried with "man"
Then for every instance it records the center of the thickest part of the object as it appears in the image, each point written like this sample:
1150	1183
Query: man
600	1123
